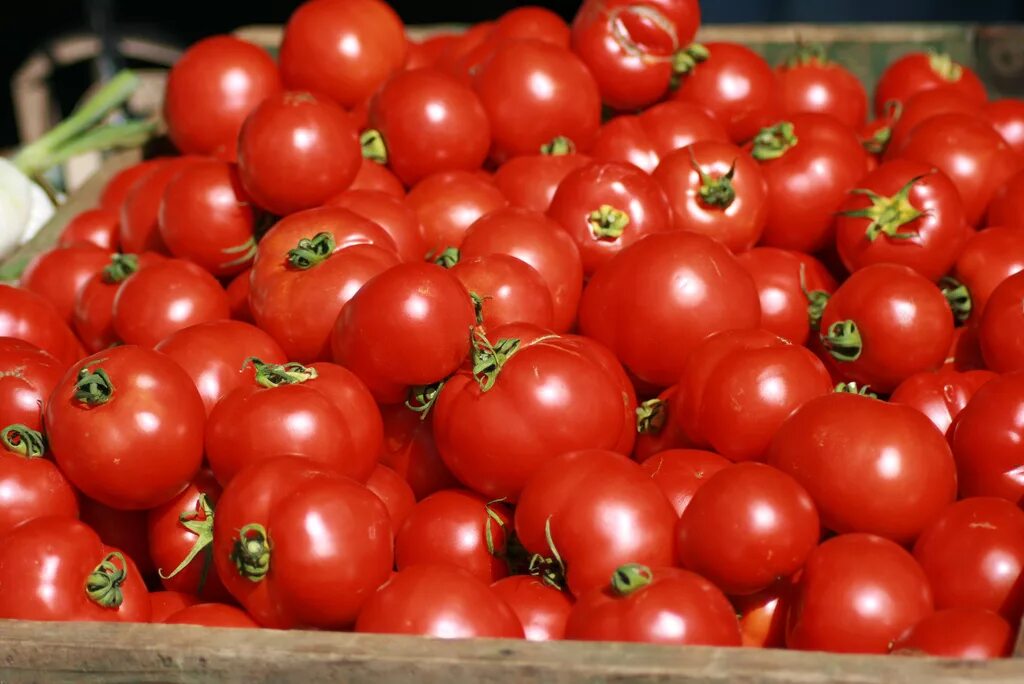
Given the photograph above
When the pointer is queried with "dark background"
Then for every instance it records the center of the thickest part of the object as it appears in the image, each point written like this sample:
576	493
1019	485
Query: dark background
30	24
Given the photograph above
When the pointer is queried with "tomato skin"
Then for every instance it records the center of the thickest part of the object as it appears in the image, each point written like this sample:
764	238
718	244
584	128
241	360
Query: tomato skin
139	219
964	633
390	213
93	226
523	114
362	415
123	530
973	554
32	487
447	204
116	191
941	395
922	106
212	87
579	208
513	291
70	552
373	176
60	273
920	71
1007	207
441	601
27	316
212	615
408	448
394	491
762	615
998	332
679	473
238	296
677	607
736	86
530	181
1007	117
93	316
542	610
816	85
988	258
651	304
343	48
428	51
164	604
28	376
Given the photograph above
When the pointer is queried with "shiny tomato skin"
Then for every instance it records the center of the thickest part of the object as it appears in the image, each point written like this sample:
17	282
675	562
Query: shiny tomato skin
211	88
736	222
32	487
362	415
530	181
973	554
60	273
27	316
238	296
895	475
1007	117
373	176
123	530
342	48
93	317
164	604
941	395
922	106
212	615
164	298
140	211
448	203
28	376
841	579
394	491
534	91
1007	207
390	213
148	445
542	609
958	633
93	226
762	615
679	473
999	329
919	71
408	448
988	258
512	290
822	86
116	191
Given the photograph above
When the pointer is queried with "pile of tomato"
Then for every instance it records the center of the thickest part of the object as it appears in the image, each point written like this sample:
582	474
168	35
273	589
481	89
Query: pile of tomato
538	330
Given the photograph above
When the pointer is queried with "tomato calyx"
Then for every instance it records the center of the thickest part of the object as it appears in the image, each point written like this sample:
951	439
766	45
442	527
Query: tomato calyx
854	388
558	146
816	300
630	578
774	141
808	54
251	553
685	60
488	358
246	252
715	192
93	387
548	569
103	585
651	416
879	140
888	214
372	143
607	222
272	375
199	522
120	267
843	341
958	296
24	441
943	65
422	397
446	258
311	251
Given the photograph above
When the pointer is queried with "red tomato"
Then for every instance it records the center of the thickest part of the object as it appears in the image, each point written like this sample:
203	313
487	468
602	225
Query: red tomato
533	92
428	51
717	190
1007	207
447	204
531	21
919	71
605	207
126	531
30	486
857	594
59	274
409	449
965	352
973	554
655	432
300	547
941	395
441	601
166	297
93	226
1007	117
542	609
876	135
810	162
212	615
999	330
139	220
83	579
657	299
211	89
93	316
679	473
390	213
116	191
307	267
511	290
895	475
763	615
373	176
964	633
530	181
238	296
362	415
736	86
394	491
27	378
164	604
987	259
27	316
660	605
923	106
342	48
903	212
810	82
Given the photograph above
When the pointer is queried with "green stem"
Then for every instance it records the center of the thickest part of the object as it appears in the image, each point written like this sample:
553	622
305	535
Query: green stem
489	359
843	341
373	146
93	387
311	251
103	585
607	222
558	146
959	298
808	54
774	141
26	441
494	519
854	388
447	258
887	215
630	578
686	59
816	300
550	569
251	553
200	523
122	135
942	64
246	252
715	192
651	416
120	267
422	397
272	375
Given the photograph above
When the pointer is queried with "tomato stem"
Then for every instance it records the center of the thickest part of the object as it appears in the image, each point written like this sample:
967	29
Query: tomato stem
422	397
447	258
550	569
854	388
774	141
488	359
943	65
246	252
888	214
199	522
272	375
808	54
492	519
251	553
607	222
103	585
25	442
120	267
686	59
93	387
630	578
650	417
816	300
715	192
373	146
843	341
879	141
558	146
311	251
959	298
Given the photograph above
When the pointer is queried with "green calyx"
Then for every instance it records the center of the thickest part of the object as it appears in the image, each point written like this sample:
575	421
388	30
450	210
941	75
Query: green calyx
631	577
251	553
651	416
103	585
887	215
774	141
447	258
854	388
943	65
120	267
374	149
959	298
200	523
879	140
816	301
715	191
488	359
549	569
808	54
24	441
842	340
242	254
272	375
558	146
686	59
422	397
311	251
607	222
494	519
93	387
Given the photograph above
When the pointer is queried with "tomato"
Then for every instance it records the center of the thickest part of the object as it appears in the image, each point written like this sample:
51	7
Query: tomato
534	91
605	207
998	332
408	448
408	326
210	90
93	316
441	601
27	316
164	604
307	267
762	615
895	475
988	440
919	71
164	298
116	439
659	605
1007	117
973	554
394	491
810	162
655	432
857	594
679	473
428	51
390	213
903	212
207	218
446	204
537	240
924	105
511	290
60	273
212	615
657	299
93	226
373	176
531	21
285	569
736	86
987	259
810	82
30	486
27	378
83	579
116	191
876	134
717	190
542	609
342	48
126	531
453	56
362	415
941	395
238	296
530	181
139	219
964	633
1007	207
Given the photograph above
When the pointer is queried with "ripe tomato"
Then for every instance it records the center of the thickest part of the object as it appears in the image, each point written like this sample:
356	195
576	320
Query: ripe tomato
534	91
288	571
307	267
973	554
1007	207
27	316
999	329
93	226
659	605
924	105
1007	117
988	258
343	48
93	316
30	486
139	219
83	579
511	290
119	441
530	181
605	207
919	71
408	448
810	82
965	352
166	297
857	594
958	633
447	204
736	86
895	475
542	609
238	296
441	601
373	176
164	604
876	134
207	218
126	531
653	302
211	89
116	191
452	57
655	432
941	395
531	21
763	615
362	415
390	213
679	473
903	212
394	491
27	378
60	273
810	162
212	615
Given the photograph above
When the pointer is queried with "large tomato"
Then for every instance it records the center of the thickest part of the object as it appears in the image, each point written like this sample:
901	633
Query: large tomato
923	106
93	226
1007	207
958	633
679	473
448	203
999	330
27	378
987	259
408	448
1007	117
510	290
27	316
530	181
919	71
30	486
810	82
942	394
59	275
392	214
94	307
